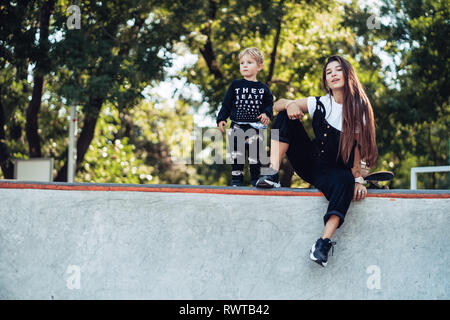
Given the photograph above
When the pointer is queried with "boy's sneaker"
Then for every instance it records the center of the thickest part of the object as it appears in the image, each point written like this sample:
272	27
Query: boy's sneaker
237	178
236	183
319	251
269	179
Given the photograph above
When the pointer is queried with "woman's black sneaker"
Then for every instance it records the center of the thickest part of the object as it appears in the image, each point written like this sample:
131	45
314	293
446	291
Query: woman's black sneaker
269	179
319	251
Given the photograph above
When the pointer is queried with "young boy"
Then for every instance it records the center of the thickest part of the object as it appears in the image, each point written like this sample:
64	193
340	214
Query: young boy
248	103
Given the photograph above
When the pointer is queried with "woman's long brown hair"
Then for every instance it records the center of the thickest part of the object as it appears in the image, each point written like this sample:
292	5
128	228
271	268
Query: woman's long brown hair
355	108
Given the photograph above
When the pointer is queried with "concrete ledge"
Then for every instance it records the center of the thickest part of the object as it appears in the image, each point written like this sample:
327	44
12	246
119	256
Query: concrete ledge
175	188
63	241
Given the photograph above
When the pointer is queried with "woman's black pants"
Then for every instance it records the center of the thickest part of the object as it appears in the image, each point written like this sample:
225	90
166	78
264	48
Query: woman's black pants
336	183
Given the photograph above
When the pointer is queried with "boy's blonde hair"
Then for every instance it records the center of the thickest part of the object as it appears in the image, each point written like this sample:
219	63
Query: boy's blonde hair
254	53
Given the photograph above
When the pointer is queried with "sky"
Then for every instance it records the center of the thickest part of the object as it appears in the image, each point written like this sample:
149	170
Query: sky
169	90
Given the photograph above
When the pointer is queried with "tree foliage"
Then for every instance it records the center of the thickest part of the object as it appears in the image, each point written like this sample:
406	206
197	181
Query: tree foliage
123	48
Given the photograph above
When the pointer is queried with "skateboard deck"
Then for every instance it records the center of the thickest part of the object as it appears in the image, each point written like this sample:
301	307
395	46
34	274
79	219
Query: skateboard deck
372	179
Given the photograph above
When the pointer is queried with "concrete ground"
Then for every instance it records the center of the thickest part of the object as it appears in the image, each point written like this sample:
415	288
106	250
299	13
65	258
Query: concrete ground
87	241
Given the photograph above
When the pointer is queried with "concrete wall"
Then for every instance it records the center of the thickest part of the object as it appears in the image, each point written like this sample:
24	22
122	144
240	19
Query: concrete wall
71	244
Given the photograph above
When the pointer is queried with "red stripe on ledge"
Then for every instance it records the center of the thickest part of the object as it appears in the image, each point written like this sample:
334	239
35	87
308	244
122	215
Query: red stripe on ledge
6	185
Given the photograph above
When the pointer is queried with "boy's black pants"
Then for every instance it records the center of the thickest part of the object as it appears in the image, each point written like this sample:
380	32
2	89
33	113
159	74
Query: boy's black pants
246	140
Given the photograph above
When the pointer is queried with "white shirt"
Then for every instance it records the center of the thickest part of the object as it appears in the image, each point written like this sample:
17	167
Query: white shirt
333	110
256	125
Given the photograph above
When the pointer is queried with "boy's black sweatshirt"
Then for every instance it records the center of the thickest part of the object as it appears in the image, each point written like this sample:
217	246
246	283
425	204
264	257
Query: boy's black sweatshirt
245	100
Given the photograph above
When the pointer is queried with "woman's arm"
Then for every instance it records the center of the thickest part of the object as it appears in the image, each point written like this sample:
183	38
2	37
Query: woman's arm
356	170
282	104
360	191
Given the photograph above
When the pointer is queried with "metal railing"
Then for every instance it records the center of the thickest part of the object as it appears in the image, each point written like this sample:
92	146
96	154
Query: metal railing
416	170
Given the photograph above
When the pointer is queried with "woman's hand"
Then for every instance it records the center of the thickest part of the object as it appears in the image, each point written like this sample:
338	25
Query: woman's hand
293	110
360	191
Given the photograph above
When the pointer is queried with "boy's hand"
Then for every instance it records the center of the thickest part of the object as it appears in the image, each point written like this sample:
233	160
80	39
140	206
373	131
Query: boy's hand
222	124
264	119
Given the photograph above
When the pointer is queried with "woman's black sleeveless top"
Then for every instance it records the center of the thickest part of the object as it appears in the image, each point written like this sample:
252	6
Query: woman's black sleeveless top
327	140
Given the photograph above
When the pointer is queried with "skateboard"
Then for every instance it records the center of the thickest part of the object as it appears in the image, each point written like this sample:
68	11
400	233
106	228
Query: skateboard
372	179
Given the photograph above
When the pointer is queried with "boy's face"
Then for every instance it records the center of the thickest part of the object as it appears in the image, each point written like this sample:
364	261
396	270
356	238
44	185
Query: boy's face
249	67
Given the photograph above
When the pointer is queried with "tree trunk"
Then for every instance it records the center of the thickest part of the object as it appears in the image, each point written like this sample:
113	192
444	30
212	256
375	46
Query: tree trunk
40	70
273	55
210	57
208	51
86	136
5	158
285	168
31	126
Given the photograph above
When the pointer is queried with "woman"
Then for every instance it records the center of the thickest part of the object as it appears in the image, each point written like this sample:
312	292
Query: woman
344	131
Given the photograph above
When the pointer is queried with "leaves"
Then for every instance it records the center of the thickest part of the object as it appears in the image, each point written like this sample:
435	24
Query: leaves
125	47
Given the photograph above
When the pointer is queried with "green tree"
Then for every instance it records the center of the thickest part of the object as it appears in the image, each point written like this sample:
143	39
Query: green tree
136	145
121	48
296	38
25	29
413	111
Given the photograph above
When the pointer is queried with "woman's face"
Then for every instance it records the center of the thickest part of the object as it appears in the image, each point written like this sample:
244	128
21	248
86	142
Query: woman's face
335	75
